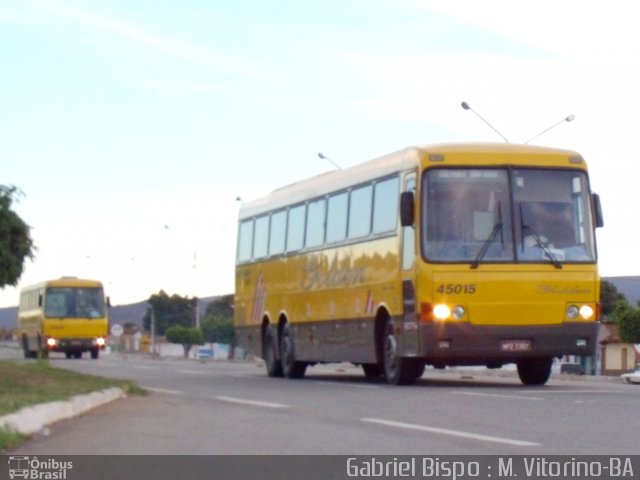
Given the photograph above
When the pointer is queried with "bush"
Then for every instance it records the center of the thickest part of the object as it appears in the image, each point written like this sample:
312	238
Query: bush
186	336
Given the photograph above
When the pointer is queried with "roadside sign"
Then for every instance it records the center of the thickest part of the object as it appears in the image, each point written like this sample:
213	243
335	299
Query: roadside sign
117	330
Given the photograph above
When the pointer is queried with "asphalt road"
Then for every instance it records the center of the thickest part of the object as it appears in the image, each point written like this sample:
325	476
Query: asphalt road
234	408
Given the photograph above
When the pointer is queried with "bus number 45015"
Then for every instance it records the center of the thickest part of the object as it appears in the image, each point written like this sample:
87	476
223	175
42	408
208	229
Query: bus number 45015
457	288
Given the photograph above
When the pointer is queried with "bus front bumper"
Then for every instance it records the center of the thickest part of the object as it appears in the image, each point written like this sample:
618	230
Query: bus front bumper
461	343
74	344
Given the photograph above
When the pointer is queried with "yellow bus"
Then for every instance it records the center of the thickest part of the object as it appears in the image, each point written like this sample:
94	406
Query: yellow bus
65	315
443	255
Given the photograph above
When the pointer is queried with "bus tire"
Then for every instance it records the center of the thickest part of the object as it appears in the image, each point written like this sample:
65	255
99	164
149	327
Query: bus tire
397	370
95	353
291	368
25	348
273	365
371	370
68	354
534	371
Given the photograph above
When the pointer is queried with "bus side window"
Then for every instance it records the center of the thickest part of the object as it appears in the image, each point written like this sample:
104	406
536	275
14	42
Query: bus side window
315	223
245	241
295	228
261	237
385	205
337	217
277	233
408	231
360	212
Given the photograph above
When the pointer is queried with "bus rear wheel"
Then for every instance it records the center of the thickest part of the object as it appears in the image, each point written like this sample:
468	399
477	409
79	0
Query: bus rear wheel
534	371
25	348
291	368
273	365
398	370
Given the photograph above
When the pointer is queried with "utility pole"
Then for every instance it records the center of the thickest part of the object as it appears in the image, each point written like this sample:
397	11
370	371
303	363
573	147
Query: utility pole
153	331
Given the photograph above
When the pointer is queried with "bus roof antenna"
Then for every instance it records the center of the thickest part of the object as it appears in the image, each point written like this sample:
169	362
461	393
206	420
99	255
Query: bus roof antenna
466	106
568	118
324	157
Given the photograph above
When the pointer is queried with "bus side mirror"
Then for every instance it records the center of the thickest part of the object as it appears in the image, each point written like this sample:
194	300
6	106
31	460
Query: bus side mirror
407	209
109	302
40	300
597	207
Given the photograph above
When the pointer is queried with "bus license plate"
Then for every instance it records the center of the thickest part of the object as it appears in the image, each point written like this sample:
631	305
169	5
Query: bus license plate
515	345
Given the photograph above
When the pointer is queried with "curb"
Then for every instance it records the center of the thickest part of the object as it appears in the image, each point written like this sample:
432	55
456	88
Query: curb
29	420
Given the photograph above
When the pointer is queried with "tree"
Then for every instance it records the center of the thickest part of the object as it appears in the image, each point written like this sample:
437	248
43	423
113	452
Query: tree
187	336
170	310
220	307
15	239
609	298
628	319
218	326
219	329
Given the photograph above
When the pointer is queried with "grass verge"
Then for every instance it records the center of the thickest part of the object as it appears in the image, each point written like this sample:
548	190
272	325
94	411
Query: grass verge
29	383
9	438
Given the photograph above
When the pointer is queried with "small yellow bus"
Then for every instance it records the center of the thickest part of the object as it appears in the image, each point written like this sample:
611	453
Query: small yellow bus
65	315
442	255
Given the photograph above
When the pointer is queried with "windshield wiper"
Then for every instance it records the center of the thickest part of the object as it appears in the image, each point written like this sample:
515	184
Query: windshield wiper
539	242
497	228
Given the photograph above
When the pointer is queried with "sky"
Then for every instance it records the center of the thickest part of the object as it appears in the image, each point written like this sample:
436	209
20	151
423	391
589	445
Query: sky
136	128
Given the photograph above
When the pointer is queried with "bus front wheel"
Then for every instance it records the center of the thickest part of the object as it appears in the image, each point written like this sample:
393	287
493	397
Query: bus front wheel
398	370
371	370
534	371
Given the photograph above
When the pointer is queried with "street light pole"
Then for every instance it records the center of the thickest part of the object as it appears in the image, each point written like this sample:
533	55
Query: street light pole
153	331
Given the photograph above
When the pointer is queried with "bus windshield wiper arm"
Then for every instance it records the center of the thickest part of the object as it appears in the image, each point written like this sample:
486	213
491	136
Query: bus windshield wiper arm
542	244
497	228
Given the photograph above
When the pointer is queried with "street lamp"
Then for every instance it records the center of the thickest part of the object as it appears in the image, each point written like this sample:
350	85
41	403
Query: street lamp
568	118
324	157
466	106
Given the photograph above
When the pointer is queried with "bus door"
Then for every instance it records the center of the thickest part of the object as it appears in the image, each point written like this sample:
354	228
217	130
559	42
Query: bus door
410	337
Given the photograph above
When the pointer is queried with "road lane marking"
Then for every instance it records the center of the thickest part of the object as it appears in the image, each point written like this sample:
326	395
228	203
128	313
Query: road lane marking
191	372
453	433
254	403
497	395
340	384
572	391
163	390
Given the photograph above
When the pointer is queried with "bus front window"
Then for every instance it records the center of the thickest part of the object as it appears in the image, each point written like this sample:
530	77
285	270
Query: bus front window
467	216
553	216
70	302
470	215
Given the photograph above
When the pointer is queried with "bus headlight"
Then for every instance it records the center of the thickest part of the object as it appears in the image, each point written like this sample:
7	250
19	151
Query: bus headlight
441	312
586	312
459	312
572	312
51	342
100	342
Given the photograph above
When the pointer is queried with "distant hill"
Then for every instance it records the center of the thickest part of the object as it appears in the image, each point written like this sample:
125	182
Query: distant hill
8	317
628	286
121	314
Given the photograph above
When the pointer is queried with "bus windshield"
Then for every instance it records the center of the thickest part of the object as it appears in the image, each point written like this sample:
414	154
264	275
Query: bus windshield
507	215
74	302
